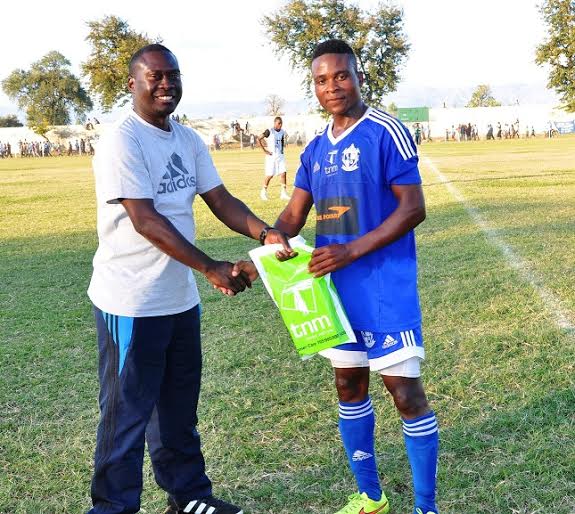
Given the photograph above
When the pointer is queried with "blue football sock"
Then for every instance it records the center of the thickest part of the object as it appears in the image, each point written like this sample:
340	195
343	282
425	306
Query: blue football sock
356	426
422	444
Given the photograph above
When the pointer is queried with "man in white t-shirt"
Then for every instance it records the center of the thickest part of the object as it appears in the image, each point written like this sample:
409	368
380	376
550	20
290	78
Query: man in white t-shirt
272	143
148	170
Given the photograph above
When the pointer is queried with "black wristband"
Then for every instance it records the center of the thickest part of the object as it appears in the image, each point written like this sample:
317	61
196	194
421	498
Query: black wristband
264	234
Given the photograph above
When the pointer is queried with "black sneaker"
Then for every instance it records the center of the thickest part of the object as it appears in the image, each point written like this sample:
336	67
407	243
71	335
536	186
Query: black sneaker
207	505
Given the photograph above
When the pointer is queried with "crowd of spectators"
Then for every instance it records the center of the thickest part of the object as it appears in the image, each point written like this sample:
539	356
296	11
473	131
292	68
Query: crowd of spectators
469	132
46	148
5	150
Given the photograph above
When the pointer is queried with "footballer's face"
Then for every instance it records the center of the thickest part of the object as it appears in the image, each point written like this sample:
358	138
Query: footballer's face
278	125
337	83
156	87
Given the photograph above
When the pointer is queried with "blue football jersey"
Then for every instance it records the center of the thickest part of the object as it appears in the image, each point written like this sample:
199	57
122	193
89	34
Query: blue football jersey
350	179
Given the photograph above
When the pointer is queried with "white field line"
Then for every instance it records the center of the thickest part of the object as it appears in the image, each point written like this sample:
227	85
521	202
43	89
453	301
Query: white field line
551	302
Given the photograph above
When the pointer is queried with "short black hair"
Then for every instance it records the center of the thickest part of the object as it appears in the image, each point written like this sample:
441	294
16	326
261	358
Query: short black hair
135	59
278	118
334	46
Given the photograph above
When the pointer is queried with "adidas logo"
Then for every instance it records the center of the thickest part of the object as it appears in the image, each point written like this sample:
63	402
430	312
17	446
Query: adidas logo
316	167
358	455
389	342
177	177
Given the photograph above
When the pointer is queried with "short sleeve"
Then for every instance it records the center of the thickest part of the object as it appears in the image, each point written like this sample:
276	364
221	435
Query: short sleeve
207	176
401	160
302	177
120	170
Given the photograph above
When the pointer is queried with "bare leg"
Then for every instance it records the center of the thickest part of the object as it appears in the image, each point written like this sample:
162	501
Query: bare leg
352	384
408	396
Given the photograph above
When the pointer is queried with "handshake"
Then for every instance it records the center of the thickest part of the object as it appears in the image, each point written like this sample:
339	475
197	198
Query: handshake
230	278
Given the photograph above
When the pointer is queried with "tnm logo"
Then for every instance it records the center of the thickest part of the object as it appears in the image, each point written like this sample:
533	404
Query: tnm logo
337	212
310	327
176	177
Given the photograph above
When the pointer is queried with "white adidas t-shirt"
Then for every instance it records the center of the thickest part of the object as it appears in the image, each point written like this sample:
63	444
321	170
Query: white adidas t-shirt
136	160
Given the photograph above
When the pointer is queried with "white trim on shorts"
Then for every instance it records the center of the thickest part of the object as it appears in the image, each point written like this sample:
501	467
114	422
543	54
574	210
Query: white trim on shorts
393	364
409	368
275	165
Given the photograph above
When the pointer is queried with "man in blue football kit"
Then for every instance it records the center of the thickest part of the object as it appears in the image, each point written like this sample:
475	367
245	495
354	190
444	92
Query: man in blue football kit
361	175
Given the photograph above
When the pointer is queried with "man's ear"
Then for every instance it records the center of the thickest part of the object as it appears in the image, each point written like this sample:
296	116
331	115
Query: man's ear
131	81
360	78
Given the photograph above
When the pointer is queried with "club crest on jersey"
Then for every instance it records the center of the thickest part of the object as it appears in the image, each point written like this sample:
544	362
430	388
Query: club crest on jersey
350	158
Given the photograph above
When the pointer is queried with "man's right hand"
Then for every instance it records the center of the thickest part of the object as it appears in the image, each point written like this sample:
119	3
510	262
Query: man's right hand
248	270
219	273
275	236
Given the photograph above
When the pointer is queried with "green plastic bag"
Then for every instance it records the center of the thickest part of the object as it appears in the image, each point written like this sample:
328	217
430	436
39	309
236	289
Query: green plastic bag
310	307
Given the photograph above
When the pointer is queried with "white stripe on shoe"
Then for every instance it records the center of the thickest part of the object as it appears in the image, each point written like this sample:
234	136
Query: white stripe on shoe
199	507
190	506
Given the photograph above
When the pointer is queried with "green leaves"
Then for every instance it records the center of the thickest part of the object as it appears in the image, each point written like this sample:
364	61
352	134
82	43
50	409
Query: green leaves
482	97
11	120
558	50
377	38
48	92
113	43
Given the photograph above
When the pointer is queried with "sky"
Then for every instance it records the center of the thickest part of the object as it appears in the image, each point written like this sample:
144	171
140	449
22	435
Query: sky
225	57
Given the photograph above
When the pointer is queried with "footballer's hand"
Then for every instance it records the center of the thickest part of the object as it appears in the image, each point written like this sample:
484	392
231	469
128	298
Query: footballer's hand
247	270
285	255
275	236
220	274
329	258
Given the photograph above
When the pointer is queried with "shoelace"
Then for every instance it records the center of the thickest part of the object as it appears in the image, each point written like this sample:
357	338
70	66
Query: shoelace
355	501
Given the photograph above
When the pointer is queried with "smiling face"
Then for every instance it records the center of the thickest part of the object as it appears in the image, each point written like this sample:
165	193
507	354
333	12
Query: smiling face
337	83
156	87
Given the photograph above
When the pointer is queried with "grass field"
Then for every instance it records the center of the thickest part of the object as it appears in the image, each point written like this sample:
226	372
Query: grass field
499	373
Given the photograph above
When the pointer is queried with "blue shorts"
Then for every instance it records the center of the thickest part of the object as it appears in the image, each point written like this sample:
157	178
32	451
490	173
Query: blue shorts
378	350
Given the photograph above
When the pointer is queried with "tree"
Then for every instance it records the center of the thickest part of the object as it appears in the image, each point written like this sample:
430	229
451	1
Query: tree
274	105
558	50
482	97
48	92
392	109
377	38
113	43
11	120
